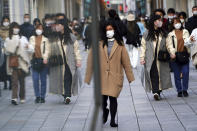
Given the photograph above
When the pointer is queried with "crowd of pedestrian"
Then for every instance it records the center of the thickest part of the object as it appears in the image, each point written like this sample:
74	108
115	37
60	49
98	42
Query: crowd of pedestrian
51	47
46	47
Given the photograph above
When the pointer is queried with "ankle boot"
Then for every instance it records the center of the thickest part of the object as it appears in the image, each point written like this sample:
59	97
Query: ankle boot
105	115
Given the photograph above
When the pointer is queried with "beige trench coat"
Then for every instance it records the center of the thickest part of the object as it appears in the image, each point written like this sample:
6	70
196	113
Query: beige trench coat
112	66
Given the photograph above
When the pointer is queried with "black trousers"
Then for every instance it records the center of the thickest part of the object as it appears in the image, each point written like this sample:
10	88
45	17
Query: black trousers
67	81
154	75
113	106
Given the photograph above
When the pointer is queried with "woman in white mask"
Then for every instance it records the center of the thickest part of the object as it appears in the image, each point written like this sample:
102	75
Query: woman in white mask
178	37
39	63
156	72
113	59
4	33
18	62
182	16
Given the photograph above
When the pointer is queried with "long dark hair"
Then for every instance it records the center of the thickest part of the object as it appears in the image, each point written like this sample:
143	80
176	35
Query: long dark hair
116	34
12	26
151	28
66	36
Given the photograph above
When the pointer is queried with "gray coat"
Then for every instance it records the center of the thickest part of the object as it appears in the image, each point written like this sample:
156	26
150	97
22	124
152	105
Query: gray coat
57	73
163	67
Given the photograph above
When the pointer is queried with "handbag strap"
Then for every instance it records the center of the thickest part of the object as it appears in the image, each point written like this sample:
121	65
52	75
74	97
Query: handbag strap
173	41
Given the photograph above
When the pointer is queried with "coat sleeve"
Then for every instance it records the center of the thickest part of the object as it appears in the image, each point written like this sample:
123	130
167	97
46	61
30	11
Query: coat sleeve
169	45
143	49
89	68
127	65
47	50
77	51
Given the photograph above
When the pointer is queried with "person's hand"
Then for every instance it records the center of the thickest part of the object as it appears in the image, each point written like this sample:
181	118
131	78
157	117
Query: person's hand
45	61
78	64
172	56
142	62
192	39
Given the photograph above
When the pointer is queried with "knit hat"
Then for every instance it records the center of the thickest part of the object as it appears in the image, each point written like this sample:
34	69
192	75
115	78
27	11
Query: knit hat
131	17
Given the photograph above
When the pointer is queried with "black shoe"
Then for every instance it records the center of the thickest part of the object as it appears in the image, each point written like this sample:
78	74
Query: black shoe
156	96
180	94
105	115
113	124
14	102
185	94
37	100
42	100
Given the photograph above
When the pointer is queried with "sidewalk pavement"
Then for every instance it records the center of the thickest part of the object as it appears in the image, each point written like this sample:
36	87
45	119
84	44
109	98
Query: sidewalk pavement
137	110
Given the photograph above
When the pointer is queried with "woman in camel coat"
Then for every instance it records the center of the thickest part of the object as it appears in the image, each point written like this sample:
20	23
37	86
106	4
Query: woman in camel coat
113	59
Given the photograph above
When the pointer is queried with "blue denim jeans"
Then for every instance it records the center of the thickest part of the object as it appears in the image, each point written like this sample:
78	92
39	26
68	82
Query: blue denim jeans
40	80
181	85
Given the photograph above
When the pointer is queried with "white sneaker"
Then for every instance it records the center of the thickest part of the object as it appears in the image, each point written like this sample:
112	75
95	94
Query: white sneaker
22	101
67	100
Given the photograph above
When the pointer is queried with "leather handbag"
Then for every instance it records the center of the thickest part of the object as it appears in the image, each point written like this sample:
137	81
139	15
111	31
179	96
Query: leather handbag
163	56
181	57
55	60
13	61
37	64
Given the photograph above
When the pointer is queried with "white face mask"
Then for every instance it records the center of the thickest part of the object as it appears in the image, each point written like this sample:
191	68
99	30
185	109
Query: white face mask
16	31
59	28
158	23
6	24
39	32
110	34
182	20
177	26
194	12
26	20
170	17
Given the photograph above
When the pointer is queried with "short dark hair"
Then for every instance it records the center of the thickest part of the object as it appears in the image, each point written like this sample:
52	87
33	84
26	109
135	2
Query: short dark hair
26	14
160	10
194	7
171	10
36	20
182	14
4	17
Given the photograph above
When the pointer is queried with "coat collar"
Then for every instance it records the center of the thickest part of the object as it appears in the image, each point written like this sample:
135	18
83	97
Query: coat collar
44	39
114	47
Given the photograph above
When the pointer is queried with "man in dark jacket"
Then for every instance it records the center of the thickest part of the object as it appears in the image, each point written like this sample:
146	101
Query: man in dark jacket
27	28
168	25
191	24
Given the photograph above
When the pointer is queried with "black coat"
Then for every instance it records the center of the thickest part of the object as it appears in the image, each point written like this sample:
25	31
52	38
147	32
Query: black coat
191	24
133	38
121	27
27	30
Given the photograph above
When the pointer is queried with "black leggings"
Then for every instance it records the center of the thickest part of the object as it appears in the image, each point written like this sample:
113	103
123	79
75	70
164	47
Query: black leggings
113	106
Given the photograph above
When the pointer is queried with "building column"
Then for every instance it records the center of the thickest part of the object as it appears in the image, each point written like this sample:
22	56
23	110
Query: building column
148	7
